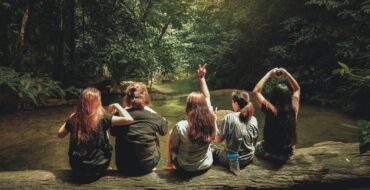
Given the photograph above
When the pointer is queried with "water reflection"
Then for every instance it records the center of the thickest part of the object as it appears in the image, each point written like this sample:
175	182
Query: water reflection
28	138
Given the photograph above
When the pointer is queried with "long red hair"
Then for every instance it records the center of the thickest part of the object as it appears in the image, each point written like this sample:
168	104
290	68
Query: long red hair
88	112
202	129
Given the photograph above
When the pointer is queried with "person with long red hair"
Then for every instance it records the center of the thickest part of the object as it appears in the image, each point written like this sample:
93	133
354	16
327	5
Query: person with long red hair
189	147
89	148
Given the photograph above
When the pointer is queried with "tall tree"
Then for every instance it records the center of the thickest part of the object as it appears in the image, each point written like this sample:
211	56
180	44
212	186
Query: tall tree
22	30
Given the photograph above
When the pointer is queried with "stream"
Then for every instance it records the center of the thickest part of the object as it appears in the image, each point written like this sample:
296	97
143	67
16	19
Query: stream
28	139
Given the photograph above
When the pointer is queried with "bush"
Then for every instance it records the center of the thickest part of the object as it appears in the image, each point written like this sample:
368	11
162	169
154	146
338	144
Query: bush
28	87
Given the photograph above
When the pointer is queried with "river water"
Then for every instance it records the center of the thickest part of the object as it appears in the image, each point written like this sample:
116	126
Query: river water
28	139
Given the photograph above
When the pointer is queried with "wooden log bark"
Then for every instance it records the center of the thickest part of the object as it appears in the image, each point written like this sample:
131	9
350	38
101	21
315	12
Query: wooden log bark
327	165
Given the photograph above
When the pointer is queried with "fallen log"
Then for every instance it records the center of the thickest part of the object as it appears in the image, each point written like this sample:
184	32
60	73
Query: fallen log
327	165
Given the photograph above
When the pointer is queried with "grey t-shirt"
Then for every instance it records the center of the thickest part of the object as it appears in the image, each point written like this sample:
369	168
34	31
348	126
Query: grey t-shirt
240	137
190	156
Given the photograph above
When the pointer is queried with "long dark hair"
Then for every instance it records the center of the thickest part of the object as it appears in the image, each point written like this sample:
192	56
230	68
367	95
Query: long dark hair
202	129
88	112
241	97
281	98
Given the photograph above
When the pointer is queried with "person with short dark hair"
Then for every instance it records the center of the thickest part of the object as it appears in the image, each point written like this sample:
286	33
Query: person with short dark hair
281	111
137	144
239	129
89	148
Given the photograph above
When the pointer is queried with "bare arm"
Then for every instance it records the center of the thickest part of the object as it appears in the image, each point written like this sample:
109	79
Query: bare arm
218	138
124	118
62	131
113	108
119	120
257	91
170	147
203	84
293	83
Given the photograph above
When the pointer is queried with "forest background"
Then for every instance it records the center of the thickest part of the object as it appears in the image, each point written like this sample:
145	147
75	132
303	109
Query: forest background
53	47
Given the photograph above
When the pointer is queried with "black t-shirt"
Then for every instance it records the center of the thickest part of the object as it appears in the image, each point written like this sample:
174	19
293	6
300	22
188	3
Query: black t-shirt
137	145
93	153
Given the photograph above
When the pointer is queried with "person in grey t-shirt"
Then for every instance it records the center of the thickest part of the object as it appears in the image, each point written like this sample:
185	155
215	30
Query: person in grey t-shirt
189	147
240	131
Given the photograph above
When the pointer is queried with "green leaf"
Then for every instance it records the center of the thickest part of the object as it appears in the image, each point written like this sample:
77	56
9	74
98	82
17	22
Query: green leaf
336	71
346	69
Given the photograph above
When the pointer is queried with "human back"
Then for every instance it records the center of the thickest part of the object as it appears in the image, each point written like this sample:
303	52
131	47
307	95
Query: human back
280	127
281	111
89	148
240	137
193	136
189	148
190	156
240	131
137	144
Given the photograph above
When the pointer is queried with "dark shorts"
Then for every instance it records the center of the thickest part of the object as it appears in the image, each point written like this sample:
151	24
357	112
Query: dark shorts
277	158
137	168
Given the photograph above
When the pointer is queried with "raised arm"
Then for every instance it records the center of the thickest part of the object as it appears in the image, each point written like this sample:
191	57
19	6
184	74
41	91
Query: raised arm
295	86
257	91
203	85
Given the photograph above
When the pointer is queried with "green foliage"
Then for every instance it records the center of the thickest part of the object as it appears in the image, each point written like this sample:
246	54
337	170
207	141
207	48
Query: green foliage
328	4
33	88
77	41
365	7
359	77
343	70
364	135
328	31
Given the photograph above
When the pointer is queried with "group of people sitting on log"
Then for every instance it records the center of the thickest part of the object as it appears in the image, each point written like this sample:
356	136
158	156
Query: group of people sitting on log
191	150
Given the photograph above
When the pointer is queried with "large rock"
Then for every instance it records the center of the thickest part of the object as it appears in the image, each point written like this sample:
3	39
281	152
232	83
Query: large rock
328	165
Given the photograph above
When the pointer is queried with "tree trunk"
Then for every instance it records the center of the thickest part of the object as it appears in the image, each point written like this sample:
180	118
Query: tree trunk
59	59
327	165
72	32
83	23
22	30
151	81
163	31
5	41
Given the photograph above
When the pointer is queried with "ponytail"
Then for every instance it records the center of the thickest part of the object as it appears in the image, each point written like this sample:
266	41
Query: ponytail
241	97
246	113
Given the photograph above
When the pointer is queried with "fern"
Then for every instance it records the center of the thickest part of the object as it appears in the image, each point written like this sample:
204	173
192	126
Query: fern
328	4
28	87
